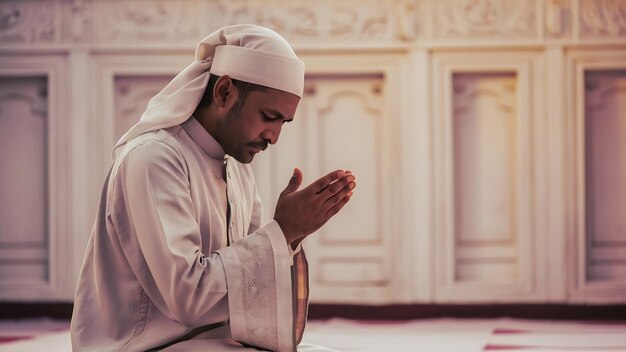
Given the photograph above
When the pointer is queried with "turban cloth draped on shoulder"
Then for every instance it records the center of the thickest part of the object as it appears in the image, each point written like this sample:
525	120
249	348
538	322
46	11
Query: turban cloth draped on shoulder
246	52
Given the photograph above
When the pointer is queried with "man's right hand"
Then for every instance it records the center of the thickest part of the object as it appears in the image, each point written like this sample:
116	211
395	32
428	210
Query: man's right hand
301	212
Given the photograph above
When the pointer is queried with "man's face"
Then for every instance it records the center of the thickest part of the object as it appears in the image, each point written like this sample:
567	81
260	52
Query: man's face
257	123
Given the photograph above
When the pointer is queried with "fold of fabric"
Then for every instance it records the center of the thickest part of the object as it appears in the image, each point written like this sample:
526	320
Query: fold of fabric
261	292
246	52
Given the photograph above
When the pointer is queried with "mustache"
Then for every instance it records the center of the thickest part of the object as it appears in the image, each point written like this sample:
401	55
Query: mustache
260	145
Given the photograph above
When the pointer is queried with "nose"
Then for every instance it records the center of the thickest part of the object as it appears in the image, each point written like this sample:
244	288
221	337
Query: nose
272	133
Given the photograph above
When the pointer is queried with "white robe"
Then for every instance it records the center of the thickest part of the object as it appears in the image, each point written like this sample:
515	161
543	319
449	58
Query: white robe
158	269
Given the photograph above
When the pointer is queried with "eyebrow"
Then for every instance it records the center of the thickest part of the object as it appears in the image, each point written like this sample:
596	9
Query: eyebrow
277	114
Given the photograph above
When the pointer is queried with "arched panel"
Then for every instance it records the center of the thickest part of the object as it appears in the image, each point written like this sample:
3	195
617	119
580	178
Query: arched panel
24	234
605	172
131	97
350	138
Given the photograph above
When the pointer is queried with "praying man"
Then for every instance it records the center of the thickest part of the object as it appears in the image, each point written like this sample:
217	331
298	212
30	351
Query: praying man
178	258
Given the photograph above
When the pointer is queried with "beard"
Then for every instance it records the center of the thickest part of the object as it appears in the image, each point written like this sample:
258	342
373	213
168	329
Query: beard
235	144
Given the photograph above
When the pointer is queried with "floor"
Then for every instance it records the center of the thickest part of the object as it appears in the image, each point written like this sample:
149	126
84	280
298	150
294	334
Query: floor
436	335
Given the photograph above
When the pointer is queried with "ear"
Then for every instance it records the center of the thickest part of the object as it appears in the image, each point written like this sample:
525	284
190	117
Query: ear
224	93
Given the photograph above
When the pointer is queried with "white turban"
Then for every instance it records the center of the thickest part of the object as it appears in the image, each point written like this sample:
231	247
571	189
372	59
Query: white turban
244	52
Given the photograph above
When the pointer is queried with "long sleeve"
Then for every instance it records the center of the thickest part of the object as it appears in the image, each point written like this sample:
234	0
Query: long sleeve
158	269
249	283
267	309
153	215
258	274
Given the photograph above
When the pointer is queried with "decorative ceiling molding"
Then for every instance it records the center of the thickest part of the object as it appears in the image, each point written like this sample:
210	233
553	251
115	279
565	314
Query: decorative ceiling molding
325	23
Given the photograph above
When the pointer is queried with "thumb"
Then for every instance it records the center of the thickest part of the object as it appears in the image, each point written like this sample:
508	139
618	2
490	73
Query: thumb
294	182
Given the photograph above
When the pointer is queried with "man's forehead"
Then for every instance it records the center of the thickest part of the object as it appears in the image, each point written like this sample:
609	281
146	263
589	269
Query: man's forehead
278	102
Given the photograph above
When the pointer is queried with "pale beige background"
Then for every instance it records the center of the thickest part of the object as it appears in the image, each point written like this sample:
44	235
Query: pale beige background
488	138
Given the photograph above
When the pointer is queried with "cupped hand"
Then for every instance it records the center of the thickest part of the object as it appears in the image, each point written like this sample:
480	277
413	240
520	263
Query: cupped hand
301	212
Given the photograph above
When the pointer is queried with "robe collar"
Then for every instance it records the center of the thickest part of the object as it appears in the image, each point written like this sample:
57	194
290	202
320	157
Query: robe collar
204	139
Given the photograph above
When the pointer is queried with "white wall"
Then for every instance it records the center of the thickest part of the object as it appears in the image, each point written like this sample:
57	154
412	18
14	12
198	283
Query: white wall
487	138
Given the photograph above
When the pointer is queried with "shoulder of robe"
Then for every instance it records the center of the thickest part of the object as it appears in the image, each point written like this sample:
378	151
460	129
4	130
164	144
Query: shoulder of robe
153	151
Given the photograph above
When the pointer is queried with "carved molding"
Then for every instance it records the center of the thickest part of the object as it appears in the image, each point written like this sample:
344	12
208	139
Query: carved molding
602	86
484	18
77	20
558	18
503	93
410	15
27	22
146	21
326	22
602	18
37	106
299	19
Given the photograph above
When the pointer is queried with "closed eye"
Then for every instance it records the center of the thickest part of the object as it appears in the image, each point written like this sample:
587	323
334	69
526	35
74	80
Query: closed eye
267	117
274	118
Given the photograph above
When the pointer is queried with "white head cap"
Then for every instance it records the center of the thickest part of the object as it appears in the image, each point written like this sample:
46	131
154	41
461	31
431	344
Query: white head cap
245	52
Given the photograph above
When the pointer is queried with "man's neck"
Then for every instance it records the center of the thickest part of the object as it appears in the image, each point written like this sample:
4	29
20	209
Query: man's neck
203	115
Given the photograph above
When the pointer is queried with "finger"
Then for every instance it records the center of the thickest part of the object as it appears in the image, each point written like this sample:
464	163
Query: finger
338	196
337	186
337	207
324	181
294	182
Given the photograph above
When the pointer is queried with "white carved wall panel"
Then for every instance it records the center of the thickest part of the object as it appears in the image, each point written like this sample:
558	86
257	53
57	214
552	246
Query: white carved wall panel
429	102
486	168
23	192
145	21
605	175
33	222
602	18
28	22
599	166
484	19
327	19
485	114
341	123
